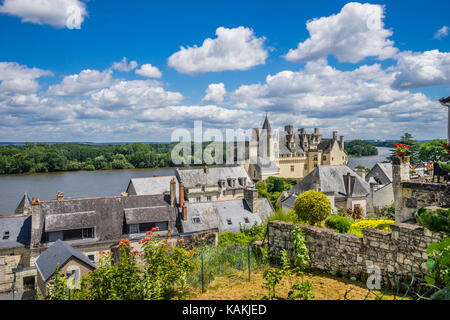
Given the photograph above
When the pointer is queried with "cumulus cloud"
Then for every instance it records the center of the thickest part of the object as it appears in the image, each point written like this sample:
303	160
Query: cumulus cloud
136	94
124	66
149	71
442	32
362	101
59	13
83	83
422	69
215	93
15	77
233	49
351	35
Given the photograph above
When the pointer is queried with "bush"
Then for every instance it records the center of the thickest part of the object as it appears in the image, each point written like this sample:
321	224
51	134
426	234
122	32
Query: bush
434	221
341	224
373	224
280	215
229	238
312	207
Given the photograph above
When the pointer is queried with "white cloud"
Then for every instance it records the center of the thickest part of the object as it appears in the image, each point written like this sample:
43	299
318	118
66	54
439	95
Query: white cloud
124	66
442	32
351	35
233	49
83	83
422	69
59	13
359	102
15	77
136	94
147	70
215	93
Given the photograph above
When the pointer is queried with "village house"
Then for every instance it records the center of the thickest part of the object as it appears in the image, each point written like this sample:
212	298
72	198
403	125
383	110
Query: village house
381	187
343	187
290	153
71	263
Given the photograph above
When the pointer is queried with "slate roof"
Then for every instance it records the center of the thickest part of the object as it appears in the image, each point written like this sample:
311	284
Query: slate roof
331	180
264	163
151	185
57	255
381	173
25	202
325	144
195	177
215	214
106	214
266	125
19	228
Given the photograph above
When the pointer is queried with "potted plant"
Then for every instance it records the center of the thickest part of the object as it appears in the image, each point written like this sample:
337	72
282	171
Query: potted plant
446	146
401	149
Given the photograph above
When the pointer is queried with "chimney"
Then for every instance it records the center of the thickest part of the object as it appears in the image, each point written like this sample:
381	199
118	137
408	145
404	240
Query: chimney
60	196
335	134
181	194
289	129
316	184
348	184
36	223
184	212
341	142
251	197
206	169
173	191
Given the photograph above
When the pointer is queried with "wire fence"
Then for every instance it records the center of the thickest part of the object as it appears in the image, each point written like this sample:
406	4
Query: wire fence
233	260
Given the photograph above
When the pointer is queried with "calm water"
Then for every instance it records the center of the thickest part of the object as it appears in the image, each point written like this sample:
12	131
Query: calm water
72	184
97	183
369	162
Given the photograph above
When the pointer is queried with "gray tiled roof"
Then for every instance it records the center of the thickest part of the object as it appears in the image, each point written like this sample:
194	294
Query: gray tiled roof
330	179
147	214
25	202
381	172
19	228
215	214
57	255
195	177
264	163
108	217
152	185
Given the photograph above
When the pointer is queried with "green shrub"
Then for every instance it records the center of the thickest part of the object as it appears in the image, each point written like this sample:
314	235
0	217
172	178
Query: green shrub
280	215
230	238
434	221
341	224
312	207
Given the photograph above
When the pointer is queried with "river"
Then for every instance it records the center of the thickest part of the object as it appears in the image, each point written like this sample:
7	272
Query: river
98	183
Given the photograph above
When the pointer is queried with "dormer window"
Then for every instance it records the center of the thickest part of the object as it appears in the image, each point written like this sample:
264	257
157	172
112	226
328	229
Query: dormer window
246	220
196	219
242	181
5	235
229	221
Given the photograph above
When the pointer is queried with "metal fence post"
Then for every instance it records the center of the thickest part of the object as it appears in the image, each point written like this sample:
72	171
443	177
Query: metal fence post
248	258
203	286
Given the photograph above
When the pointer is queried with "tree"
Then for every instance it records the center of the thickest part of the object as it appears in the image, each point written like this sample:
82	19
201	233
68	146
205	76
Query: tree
432	150
413	151
312	207
360	148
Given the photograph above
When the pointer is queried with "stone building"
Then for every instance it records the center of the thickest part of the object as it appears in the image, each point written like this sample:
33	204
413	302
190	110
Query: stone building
71	263
291	154
381	187
343	187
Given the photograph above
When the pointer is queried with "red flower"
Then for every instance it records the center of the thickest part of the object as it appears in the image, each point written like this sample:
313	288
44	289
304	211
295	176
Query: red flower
181	240
149	233
101	252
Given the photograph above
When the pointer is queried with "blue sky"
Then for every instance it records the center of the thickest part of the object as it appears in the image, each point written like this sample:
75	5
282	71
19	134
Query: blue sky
368	70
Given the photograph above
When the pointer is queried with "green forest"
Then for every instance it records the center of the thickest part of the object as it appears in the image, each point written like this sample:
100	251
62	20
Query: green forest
360	148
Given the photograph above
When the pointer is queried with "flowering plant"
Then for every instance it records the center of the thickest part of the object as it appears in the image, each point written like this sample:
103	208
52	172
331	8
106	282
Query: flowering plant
446	146
401	149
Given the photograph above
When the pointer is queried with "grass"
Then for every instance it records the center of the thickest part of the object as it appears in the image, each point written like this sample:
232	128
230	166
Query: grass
325	287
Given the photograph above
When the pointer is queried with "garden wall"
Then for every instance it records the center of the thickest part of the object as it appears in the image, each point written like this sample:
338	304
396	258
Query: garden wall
394	251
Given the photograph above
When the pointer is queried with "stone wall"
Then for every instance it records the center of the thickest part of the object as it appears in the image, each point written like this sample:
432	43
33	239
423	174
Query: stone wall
418	194
393	251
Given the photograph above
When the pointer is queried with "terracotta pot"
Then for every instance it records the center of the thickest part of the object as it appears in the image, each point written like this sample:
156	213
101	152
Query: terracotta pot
401	154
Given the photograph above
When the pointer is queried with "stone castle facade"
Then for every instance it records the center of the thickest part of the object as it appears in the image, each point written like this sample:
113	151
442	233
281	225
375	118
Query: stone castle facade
291	154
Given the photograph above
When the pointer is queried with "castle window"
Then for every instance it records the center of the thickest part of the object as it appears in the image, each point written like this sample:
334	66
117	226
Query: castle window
208	198
292	168
315	165
229	221
199	199
332	158
324	158
315	158
306	166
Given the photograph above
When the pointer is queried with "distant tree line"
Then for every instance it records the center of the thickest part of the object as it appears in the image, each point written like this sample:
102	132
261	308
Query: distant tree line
44	157
360	148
